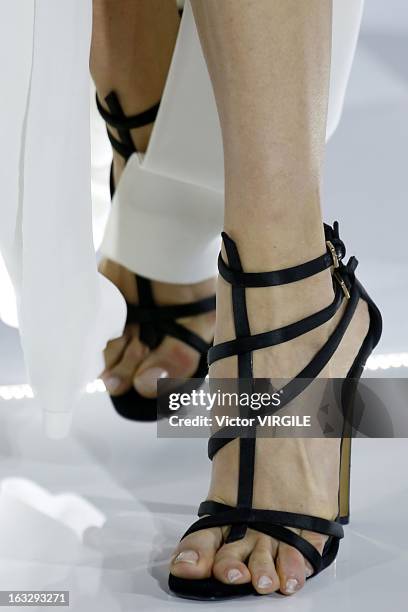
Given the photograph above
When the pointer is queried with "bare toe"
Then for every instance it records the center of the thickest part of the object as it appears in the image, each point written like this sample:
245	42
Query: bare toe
262	567
119	379
290	565
172	359
229	566
194	556
114	351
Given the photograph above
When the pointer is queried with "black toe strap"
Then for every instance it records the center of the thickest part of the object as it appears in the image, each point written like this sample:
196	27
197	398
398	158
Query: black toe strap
138	314
270	522
276	517
171	328
156	321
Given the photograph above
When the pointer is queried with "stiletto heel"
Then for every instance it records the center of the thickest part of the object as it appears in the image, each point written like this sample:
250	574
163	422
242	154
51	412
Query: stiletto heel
155	321
274	523
345	473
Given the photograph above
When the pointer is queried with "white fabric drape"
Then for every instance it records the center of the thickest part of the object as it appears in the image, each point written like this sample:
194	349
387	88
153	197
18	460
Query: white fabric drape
171	205
66	311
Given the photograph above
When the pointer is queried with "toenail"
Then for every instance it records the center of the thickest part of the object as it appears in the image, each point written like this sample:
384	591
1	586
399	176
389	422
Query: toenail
187	556
291	585
112	383
234	575
264	582
146	382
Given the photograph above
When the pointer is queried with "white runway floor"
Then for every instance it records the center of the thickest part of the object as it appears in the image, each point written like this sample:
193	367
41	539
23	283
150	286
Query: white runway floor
98	514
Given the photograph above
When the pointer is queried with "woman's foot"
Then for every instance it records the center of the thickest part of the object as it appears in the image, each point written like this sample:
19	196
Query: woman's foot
128	361
295	475
131	363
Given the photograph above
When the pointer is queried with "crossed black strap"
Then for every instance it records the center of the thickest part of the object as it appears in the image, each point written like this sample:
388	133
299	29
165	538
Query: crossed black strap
270	522
155	321
116	118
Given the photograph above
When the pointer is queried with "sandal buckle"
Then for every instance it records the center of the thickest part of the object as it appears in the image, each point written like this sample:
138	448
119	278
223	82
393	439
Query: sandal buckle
342	284
333	253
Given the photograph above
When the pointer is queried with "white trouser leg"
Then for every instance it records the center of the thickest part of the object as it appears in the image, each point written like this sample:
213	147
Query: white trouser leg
167	212
66	312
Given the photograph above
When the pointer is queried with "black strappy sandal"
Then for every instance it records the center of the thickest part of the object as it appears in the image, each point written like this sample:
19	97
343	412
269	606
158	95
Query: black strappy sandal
272	522
155	321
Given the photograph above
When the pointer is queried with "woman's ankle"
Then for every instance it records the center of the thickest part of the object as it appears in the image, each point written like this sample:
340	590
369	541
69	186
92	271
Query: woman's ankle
286	245
281	239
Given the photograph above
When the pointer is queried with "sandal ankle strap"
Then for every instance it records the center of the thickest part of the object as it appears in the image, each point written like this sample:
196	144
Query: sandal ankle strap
245	343
116	118
232	274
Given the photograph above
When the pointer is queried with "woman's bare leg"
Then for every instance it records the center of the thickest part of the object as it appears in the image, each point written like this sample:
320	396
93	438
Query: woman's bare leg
269	62
132	47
